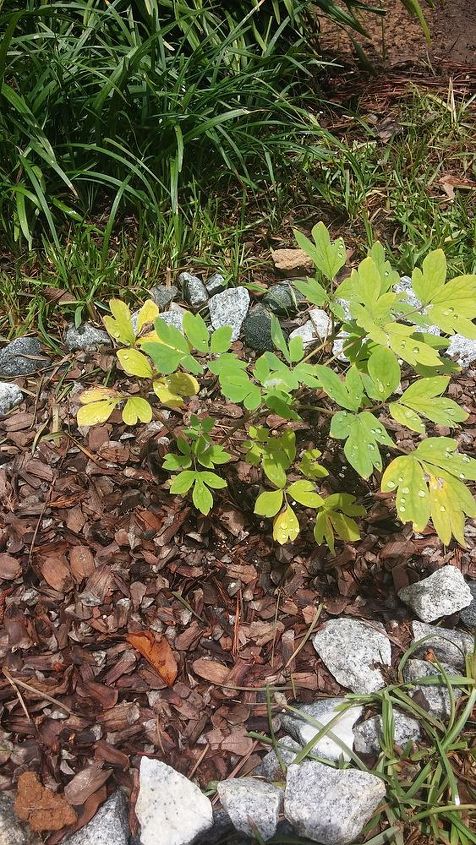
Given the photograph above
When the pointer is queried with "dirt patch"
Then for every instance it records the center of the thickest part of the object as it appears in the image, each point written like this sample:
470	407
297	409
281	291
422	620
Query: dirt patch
398	38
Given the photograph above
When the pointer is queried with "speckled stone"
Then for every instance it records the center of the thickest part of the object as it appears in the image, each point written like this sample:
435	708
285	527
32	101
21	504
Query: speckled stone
436	697
449	646
22	357
282	299
468	614
170	808
10	395
441	594
270	767
330	806
215	284
462	350
369	733
12	831
253	806
174	316
163	295
256	329
230	309
110	825
323	712
317	328
86	337
194	291
352	649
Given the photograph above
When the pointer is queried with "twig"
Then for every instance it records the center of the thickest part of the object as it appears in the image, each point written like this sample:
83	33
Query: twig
306	636
16	682
196	765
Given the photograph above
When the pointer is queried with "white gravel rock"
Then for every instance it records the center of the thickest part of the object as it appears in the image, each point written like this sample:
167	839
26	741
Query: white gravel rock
10	395
270	766
330	806
462	350
253	806
369	733
318	327
441	594
170	808
229	309
324	712
352	650
436	697
86	337
174	316
450	646
110	825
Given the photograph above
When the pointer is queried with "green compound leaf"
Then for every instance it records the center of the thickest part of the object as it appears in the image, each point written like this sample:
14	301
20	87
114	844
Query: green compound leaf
173	462
136	409
182	482
201	496
405	475
269	503
310	466
362	433
422	399
119	326
384	372
277	336
221	340
285	526
431	278
441	452
335	519
450	305
328	256
348	394
196	331
304	492
211	479
172	351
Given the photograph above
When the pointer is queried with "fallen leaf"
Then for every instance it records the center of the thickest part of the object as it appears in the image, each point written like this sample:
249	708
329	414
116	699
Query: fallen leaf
210	670
86	783
82	562
56	573
40	807
157	651
10	567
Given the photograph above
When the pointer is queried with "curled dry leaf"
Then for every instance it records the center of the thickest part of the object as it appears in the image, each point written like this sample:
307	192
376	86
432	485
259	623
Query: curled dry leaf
10	567
157	651
40	807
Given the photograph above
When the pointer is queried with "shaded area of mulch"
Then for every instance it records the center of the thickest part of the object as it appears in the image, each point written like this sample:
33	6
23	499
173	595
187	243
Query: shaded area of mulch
100	549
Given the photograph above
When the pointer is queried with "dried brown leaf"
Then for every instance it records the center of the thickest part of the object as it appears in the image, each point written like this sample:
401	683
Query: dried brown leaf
157	651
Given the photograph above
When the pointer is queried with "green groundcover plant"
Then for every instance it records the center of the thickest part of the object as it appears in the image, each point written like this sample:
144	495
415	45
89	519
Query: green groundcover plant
394	372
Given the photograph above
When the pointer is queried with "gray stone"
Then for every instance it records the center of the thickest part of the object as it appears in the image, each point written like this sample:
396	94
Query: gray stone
270	766
170	808
282	299
448	645
86	337
22	357
338	346
163	295
462	350
256	329
368	734
352	650
329	805
405	286
468	614
10	395
441	594
174	316
215	284
110	825
434	698
253	806
12	831
194	291
230	309
324	712
317	328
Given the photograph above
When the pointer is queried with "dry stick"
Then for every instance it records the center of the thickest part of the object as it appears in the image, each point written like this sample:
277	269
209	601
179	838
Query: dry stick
306	636
20	697
196	765
16	682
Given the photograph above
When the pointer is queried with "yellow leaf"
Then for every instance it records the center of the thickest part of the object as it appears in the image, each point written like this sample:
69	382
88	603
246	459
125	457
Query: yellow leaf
285	526
163	392
183	383
119	326
134	363
96	394
136	409
150	337
147	314
96	412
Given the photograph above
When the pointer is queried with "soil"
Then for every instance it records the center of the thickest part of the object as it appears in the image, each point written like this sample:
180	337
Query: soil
398	38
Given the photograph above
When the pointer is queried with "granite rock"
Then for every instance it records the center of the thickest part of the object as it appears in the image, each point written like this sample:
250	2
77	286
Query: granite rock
256	329
253	806
270	766
174	316
163	295
369	733
282	299
194	291
462	350
330	806
110	825
12	831
230	309
441	594
436	698
352	651
468	614
22	357
170	808
317	328
323	712
86	337
450	646
10	395
215	284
